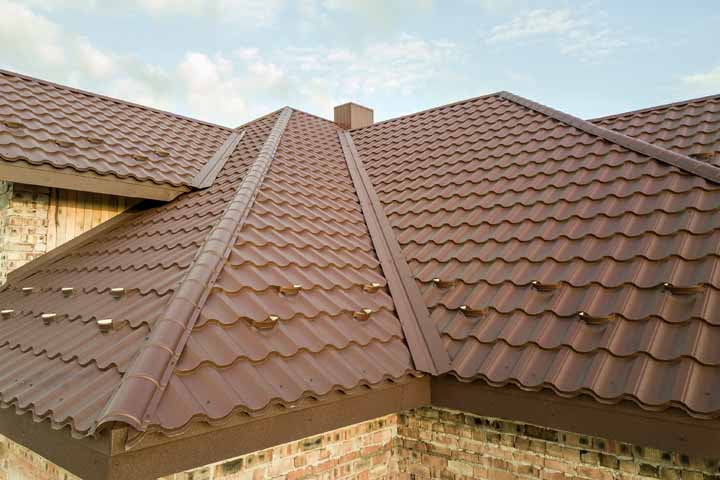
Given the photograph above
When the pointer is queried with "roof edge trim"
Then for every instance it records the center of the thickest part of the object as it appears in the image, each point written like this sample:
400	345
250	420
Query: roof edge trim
426	347
209	172
140	391
682	162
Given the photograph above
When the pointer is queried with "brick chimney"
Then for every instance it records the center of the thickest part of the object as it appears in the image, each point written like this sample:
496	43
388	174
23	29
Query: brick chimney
351	115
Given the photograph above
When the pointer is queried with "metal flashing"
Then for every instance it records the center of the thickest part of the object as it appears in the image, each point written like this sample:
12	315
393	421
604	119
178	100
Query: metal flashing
428	353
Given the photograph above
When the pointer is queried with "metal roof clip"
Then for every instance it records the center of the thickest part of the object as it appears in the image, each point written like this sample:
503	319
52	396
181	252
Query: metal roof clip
47	318
290	290
688	290
444	283
371	287
472	312
117	292
105	324
544	287
266	324
7	313
67	291
595	320
27	290
363	315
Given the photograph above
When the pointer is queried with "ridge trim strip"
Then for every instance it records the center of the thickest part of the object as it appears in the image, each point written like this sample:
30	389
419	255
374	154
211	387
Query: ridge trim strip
426	347
138	395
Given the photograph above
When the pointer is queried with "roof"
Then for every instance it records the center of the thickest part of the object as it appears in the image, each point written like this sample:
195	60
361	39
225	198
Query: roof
493	241
205	327
690	127
562	259
69	131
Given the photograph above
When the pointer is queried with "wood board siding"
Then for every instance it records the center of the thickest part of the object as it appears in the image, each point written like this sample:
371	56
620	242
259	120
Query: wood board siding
71	213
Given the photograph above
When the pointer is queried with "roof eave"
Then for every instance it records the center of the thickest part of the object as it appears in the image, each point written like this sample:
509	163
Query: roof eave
71	179
110	455
666	429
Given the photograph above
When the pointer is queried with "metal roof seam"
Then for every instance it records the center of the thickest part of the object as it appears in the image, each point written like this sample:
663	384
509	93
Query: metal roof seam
675	159
132	399
426	347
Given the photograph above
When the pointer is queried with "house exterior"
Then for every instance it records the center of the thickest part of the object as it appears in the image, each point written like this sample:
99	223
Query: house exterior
486	289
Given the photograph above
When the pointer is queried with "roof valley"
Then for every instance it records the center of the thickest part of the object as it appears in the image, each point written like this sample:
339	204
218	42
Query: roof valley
142	387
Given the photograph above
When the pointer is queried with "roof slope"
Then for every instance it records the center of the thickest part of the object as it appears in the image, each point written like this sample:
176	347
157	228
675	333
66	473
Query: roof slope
551	256
691	127
42	123
276	286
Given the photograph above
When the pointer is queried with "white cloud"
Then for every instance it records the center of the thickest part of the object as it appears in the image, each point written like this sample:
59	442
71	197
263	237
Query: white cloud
225	87
252	13
536	22
584	37
709	80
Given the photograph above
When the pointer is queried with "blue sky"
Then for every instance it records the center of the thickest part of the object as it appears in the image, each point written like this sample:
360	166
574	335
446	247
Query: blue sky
228	61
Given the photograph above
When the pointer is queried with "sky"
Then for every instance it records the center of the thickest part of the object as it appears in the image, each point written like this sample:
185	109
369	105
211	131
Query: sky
229	61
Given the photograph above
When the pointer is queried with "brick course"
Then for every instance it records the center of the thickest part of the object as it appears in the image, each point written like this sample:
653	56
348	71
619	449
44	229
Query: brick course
23	224
423	444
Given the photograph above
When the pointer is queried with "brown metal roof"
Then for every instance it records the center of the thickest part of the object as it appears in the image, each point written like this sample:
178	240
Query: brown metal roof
690	127
42	123
549	253
263	289
544	244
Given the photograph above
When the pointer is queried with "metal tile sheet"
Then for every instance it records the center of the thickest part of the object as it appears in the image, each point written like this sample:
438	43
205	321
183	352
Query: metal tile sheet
305	229
67	370
44	123
553	246
691	127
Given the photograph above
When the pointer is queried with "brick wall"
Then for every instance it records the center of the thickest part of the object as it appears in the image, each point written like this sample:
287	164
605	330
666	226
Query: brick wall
34	219
423	444
23	224
434	443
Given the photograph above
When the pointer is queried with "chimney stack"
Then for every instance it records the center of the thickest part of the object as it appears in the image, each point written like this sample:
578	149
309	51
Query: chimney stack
351	115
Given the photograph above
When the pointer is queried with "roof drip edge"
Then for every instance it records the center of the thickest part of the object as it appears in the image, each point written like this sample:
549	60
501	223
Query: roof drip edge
136	399
680	161
426	347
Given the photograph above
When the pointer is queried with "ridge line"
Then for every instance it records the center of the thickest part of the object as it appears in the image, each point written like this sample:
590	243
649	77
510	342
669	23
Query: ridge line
139	393
690	165
426	347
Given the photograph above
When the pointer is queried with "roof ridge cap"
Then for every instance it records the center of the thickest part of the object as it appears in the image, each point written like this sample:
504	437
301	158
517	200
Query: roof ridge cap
112	99
662	106
138	395
426	348
664	155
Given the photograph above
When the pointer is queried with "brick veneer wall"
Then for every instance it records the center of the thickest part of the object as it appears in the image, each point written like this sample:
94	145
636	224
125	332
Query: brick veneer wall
23	224
435	443
423	444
